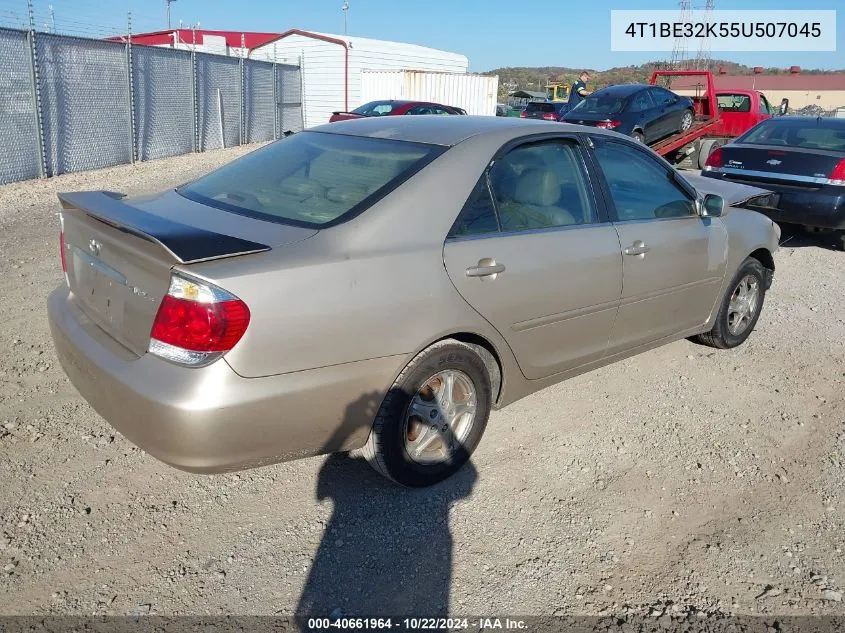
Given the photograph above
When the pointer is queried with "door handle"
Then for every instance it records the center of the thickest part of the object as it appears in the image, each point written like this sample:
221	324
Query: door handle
637	248
487	267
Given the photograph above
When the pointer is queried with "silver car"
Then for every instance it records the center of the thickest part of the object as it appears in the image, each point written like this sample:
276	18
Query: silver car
382	284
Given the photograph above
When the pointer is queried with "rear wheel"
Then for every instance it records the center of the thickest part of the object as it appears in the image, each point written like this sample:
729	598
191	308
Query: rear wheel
433	417
740	308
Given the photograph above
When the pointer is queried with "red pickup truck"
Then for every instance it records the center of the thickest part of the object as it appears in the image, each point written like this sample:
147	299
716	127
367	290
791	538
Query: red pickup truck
720	115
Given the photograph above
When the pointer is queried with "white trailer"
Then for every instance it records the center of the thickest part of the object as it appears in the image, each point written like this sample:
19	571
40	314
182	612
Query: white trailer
474	93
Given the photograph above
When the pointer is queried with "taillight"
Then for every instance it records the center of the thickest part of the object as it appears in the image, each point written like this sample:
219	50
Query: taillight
197	322
522	114
62	249
715	159
838	175
608	125
550	116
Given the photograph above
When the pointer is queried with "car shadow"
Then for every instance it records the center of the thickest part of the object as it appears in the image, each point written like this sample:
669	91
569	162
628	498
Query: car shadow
793	236
386	550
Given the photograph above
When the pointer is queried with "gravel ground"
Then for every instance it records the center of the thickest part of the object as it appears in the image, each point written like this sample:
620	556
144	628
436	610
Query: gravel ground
685	480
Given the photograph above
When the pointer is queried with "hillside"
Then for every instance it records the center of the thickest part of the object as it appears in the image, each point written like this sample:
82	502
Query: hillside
527	78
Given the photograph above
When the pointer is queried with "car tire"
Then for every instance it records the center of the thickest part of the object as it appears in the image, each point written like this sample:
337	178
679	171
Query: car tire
686	120
392	448
638	136
727	331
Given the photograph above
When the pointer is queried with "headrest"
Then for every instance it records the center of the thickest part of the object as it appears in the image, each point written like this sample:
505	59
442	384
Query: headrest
539	187
301	186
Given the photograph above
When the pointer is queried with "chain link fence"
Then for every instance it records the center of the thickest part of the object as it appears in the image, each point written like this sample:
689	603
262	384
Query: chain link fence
164	102
72	104
259	118
19	159
289	99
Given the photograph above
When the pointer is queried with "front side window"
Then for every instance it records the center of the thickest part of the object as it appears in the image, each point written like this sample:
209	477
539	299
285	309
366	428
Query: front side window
641	188
765	108
311	178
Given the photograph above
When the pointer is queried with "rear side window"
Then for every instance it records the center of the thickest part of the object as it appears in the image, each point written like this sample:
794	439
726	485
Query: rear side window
662	97
311	179
375	108
538	185
808	134
641	102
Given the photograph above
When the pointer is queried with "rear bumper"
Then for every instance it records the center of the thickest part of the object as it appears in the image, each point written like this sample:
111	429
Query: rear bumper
822	207
211	419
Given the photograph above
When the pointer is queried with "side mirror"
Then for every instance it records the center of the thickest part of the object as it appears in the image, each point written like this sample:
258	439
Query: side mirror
712	206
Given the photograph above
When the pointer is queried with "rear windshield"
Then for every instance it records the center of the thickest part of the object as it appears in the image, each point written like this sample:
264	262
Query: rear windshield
808	134
600	105
540	107
374	108
311	179
734	103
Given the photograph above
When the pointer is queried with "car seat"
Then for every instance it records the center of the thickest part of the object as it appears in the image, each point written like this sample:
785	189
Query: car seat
536	196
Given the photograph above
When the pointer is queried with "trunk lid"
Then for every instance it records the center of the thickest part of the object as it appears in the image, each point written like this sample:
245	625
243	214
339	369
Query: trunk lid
119	254
586	118
802	167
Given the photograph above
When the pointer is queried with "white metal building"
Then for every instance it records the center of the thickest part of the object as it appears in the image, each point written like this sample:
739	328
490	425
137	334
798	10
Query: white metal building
333	66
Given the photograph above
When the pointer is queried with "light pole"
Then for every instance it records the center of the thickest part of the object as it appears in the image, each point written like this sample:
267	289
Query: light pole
167	5
345	9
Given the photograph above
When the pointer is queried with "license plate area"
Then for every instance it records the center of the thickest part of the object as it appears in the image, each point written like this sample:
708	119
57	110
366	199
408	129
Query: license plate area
100	288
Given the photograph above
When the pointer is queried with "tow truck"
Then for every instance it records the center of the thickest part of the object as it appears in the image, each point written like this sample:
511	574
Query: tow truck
717	119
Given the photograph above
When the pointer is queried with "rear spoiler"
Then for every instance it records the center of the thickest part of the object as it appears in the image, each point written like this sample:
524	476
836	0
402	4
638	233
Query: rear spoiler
186	244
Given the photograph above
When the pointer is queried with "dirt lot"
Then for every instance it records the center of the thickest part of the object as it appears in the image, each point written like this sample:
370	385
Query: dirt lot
686	479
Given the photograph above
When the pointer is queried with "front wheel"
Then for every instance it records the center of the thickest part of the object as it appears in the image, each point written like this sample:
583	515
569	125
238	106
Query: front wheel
740	308
433	417
686	121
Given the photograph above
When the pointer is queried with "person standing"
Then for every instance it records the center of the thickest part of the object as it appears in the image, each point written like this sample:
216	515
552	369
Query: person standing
579	90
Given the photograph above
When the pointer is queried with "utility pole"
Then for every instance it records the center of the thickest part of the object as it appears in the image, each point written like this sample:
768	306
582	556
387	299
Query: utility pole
345	9
167	4
52	20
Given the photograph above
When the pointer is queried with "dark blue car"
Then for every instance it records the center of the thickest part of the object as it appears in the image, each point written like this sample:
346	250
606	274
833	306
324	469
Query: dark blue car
644	112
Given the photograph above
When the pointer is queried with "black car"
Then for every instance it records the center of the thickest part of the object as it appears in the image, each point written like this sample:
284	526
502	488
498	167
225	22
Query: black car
801	159
644	112
547	110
